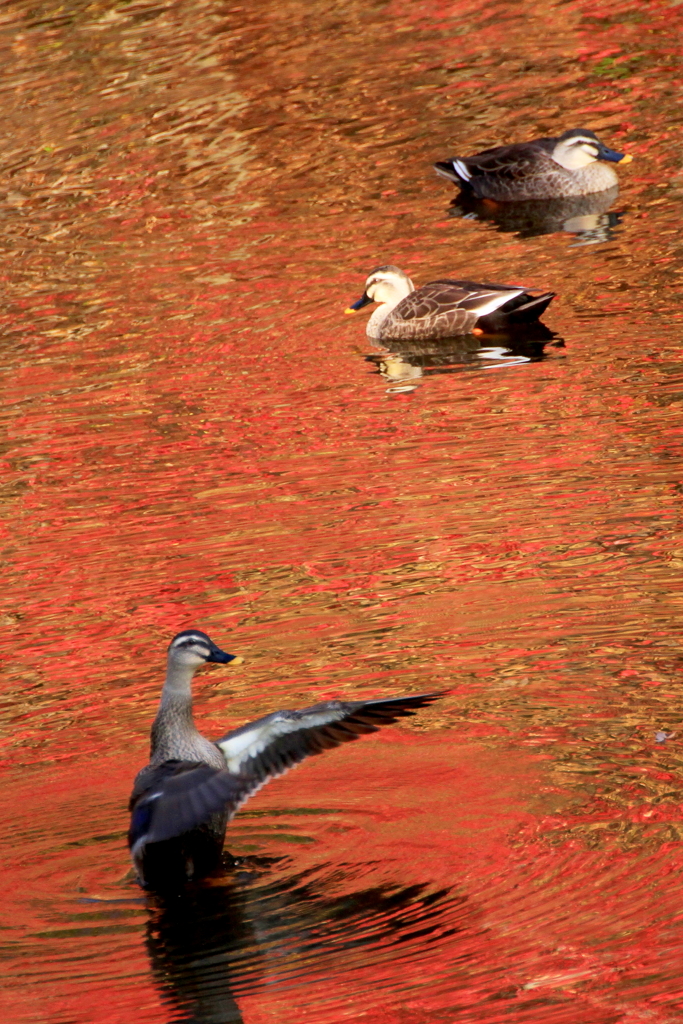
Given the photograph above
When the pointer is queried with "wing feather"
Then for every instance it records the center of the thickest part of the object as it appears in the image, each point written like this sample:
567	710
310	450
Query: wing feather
518	160
429	300
452	302
178	796
291	736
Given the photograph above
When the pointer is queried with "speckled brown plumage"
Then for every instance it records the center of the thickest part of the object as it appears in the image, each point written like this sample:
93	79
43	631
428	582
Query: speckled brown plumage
527	170
441	305
447	308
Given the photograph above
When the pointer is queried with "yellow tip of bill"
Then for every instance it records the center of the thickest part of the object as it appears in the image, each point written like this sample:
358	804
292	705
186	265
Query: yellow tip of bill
237	661
626	159
350	310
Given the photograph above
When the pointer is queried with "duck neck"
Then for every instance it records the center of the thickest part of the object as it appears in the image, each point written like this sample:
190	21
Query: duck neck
399	292
174	716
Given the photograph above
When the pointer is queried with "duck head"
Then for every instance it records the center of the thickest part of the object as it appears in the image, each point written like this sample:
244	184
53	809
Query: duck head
192	648
386	285
579	147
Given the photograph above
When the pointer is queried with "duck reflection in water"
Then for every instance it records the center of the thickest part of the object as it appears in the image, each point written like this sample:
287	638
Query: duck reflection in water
588	218
404	364
214	942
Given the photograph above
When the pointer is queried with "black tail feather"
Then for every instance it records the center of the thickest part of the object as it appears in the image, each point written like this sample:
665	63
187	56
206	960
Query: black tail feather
523	309
532	309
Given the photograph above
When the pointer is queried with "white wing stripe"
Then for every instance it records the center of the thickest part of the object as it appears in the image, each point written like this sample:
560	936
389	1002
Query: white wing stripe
495	299
239	749
460	169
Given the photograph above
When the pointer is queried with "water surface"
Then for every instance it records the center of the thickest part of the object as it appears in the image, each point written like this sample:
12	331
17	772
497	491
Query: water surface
195	434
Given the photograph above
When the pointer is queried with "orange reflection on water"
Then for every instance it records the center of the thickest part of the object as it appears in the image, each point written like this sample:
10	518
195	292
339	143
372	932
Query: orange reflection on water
191	195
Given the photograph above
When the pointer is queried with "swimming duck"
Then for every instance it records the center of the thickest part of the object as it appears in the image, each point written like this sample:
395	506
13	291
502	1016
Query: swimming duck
442	309
573	164
183	799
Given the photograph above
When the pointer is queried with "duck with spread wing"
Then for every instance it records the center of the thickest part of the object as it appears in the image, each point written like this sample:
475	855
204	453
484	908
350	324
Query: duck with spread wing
183	799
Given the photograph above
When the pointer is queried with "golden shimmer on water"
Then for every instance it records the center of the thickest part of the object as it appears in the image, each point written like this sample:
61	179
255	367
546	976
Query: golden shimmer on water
195	435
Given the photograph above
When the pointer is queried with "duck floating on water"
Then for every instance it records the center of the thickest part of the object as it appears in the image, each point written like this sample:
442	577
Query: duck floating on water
183	799
443	309
573	164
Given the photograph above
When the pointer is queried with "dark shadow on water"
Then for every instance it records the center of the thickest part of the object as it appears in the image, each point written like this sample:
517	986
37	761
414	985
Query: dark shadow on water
255	928
588	218
405	362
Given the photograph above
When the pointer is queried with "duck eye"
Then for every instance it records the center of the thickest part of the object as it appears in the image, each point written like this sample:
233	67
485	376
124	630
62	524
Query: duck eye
193	645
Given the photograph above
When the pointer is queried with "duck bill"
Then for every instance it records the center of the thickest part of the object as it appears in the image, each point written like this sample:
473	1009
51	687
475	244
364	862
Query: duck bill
605	153
364	300
221	657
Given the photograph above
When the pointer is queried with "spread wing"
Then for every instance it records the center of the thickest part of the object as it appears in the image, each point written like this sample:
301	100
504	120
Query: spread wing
270	746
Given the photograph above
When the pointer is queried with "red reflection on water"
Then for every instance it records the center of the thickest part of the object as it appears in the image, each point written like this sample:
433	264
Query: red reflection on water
191	197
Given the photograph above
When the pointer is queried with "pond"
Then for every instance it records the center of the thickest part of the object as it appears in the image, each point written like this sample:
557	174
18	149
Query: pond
195	435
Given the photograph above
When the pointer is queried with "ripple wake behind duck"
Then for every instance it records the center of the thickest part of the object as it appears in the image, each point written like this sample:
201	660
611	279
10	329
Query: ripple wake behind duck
444	308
